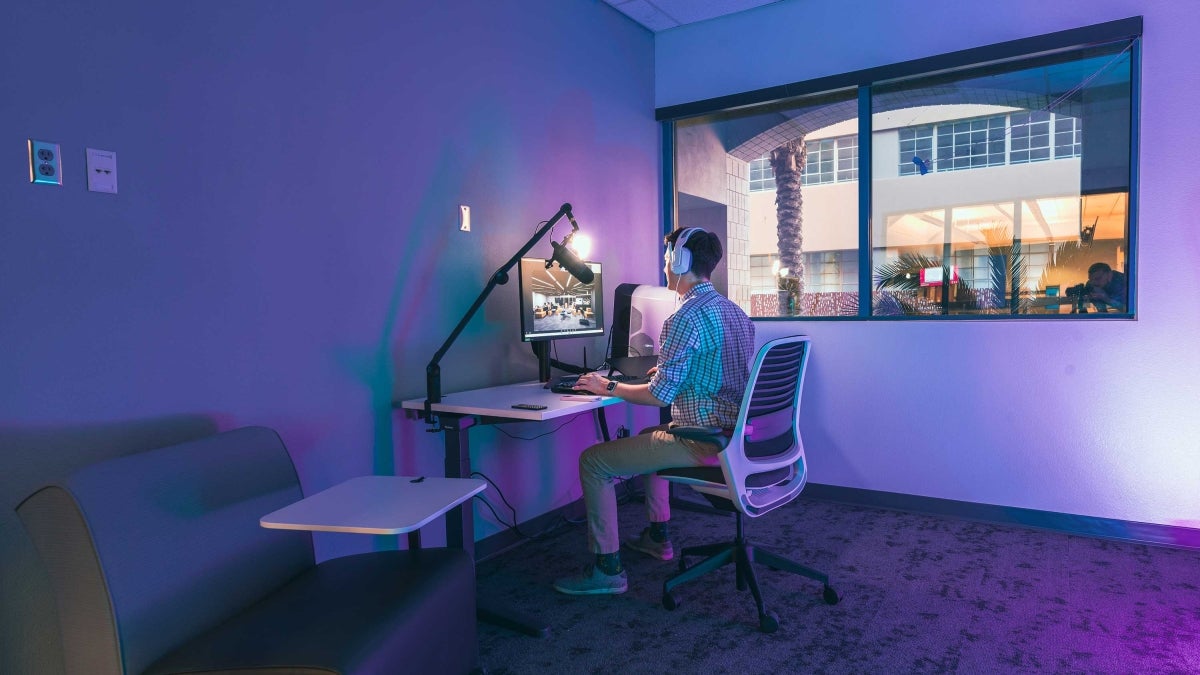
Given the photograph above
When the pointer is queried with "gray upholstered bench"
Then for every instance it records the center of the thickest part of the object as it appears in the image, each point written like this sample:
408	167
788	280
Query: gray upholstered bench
159	566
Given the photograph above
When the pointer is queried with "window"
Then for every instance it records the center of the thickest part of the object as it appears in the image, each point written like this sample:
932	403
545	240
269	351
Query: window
847	158
985	202
818	168
830	160
970	143
762	176
916	149
967	144
1030	137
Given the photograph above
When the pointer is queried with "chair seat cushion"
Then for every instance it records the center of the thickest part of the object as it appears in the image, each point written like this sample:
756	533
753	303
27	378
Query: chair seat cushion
714	475
381	612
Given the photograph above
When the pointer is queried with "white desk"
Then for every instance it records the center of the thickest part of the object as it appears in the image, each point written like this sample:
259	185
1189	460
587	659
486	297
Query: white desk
376	505
460	411
496	402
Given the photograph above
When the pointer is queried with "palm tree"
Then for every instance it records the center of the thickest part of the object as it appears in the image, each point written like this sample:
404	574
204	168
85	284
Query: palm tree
787	161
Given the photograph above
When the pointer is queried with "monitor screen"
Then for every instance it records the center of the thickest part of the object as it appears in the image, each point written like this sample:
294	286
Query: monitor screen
556	305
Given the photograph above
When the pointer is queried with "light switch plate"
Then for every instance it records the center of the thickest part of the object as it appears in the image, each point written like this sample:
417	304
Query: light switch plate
102	170
45	163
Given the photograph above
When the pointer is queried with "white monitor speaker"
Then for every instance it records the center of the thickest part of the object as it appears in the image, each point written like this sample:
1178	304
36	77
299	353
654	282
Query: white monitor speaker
640	311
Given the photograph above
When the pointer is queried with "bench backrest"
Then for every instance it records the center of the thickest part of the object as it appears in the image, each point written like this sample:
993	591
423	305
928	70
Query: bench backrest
148	550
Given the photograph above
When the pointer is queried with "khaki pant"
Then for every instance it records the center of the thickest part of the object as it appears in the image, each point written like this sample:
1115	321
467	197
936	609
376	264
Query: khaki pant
649	451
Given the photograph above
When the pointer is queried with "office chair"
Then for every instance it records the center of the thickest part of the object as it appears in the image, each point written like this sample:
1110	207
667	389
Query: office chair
762	468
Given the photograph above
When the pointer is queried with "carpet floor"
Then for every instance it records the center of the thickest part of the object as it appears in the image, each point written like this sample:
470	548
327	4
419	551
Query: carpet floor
919	594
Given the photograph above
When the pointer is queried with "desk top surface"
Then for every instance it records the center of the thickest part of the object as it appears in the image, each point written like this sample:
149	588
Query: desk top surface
498	401
375	505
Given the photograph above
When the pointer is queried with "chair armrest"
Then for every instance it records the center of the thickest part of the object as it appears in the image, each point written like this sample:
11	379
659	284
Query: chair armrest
705	434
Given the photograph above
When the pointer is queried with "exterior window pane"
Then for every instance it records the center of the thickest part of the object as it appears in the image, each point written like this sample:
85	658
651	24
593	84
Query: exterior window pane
787	199
1018	237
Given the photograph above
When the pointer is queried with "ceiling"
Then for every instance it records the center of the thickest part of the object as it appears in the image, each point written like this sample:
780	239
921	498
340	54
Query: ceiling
660	15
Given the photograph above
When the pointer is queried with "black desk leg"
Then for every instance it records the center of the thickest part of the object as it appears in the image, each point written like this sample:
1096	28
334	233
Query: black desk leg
460	522
460	528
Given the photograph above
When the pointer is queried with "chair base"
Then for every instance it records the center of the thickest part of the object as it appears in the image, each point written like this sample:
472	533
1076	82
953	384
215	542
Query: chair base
743	555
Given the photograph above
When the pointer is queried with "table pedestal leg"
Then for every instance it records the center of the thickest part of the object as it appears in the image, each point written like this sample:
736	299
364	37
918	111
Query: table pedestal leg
460	529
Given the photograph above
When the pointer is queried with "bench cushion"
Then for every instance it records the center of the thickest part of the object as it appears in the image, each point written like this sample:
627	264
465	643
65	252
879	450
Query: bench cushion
146	551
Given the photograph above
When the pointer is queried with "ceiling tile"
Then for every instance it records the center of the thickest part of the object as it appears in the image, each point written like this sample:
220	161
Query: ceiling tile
659	15
645	13
691	11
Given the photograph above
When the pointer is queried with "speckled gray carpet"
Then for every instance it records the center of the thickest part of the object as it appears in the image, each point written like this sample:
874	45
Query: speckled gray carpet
920	594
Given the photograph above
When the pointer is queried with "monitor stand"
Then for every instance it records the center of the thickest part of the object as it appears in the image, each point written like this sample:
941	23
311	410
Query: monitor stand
542	349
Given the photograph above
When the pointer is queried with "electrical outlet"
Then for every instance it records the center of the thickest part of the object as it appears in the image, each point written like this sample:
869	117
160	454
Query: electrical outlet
45	165
464	218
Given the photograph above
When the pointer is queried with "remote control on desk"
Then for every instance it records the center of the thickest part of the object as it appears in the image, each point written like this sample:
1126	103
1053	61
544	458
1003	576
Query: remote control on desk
528	406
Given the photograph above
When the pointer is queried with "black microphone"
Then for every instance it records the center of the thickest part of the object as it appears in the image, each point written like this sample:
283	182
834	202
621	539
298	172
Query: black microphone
571	263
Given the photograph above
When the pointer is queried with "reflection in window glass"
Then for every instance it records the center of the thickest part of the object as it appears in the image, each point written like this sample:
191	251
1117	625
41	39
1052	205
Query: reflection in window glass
1011	208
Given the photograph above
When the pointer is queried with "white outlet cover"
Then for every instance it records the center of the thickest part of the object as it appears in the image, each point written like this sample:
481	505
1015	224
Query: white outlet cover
102	170
464	218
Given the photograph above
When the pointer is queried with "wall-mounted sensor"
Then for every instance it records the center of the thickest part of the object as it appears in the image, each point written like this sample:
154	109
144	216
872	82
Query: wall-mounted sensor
45	166
464	218
102	170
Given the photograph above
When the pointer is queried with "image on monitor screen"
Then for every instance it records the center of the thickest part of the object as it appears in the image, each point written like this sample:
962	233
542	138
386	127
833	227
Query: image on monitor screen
556	305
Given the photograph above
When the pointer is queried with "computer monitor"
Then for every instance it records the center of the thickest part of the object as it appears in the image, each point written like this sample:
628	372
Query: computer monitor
556	305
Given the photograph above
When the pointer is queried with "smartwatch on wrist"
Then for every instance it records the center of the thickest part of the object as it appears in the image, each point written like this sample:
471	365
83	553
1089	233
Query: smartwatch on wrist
611	387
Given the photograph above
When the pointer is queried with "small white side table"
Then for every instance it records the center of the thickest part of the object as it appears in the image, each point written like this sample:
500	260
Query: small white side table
377	505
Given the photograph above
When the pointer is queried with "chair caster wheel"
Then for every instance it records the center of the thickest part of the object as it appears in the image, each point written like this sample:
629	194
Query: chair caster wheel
768	623
669	602
830	596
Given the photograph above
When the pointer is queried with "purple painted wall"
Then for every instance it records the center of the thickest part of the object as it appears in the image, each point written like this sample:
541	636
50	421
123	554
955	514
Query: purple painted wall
284	248
1096	418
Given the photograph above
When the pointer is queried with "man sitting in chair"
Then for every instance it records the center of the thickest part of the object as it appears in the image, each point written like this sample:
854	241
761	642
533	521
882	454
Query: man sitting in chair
1106	288
702	372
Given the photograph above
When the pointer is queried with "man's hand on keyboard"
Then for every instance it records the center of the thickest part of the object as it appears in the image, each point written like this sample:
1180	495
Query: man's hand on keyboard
593	383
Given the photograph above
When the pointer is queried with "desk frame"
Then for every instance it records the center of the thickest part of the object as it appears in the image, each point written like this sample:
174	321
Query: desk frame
492	405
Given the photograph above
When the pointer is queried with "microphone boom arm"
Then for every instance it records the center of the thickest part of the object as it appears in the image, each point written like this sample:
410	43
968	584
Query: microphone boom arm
433	371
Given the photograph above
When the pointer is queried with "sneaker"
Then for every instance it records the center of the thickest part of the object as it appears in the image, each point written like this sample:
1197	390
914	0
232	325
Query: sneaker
593	582
661	550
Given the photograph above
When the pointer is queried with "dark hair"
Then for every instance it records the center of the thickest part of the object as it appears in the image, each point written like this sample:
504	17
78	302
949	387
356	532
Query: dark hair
705	248
1098	267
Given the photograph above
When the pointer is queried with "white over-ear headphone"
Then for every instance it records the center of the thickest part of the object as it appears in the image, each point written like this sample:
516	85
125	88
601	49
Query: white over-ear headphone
680	258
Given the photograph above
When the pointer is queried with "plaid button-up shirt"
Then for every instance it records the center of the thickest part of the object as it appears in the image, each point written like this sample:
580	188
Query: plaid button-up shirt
704	360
